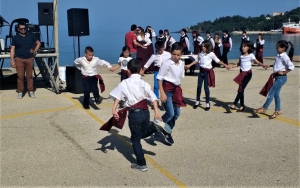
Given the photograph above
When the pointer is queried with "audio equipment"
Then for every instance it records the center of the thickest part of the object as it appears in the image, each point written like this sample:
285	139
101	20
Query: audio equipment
45	11
78	22
74	80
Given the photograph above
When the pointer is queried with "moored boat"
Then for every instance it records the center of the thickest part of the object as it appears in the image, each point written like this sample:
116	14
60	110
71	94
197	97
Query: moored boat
290	27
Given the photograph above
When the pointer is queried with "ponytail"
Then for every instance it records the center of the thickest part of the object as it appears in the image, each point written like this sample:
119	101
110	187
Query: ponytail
291	52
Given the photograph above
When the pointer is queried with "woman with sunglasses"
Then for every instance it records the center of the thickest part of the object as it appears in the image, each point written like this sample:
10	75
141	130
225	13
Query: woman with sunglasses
143	53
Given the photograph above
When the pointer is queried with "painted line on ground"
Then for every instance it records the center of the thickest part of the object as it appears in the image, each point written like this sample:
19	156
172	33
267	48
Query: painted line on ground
265	115
37	112
148	159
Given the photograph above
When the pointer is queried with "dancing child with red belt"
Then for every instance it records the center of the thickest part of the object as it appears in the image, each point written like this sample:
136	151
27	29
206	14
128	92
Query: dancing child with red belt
281	67
245	75
88	66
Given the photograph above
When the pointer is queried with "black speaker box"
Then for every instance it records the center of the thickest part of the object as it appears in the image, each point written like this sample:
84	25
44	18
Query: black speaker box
45	13
73	80
78	22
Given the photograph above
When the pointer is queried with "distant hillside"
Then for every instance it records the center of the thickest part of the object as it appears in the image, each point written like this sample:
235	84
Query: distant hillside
239	23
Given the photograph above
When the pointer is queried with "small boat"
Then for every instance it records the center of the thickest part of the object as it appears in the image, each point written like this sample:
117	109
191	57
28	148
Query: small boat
290	27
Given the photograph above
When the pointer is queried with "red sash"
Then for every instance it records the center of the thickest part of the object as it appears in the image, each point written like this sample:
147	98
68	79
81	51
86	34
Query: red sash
177	97
125	72
240	77
122	116
265	90
211	76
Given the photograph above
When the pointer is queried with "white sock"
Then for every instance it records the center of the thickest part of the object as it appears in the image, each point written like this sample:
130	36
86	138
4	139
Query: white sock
207	104
197	102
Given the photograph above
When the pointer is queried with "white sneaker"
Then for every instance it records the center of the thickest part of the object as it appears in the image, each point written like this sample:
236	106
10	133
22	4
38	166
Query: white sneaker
31	94
162	127
20	95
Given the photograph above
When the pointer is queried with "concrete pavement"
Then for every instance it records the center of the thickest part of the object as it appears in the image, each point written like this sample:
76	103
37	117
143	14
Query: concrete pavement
52	141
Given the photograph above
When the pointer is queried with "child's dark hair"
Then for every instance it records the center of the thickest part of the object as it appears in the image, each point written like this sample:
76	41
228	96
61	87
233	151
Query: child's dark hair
250	45
285	44
125	48
159	45
208	46
88	49
177	46
134	65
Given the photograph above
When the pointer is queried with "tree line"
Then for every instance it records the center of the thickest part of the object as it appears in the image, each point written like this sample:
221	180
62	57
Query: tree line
240	23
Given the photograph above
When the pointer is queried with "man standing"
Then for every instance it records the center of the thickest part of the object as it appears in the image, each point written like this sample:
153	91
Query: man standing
130	41
23	47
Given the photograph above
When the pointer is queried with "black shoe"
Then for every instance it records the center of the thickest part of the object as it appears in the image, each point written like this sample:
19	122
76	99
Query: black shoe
169	138
207	108
158	136
86	106
98	100
196	105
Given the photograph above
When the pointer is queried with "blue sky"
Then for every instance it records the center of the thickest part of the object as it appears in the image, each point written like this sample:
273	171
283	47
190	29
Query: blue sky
118	15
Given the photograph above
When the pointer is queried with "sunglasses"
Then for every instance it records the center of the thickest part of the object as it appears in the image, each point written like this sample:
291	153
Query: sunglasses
22	28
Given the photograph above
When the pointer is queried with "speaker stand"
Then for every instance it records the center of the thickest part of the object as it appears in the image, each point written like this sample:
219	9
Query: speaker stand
78	46
47	36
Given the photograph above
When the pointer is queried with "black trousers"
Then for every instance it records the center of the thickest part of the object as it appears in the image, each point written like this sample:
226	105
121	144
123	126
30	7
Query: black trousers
224	55
240	95
90	84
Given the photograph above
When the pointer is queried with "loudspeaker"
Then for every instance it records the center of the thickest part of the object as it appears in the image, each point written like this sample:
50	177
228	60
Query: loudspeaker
78	22
35	30
73	80
45	13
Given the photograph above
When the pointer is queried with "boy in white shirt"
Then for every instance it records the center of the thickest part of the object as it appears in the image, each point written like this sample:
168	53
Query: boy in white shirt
136	91
157	59
169	77
88	66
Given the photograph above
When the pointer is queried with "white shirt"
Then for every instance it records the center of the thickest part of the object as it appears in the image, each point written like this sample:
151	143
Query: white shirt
211	41
89	68
148	34
171	41
146	39
246	62
134	90
282	63
123	62
261	42
199	39
158	59
171	72
204	59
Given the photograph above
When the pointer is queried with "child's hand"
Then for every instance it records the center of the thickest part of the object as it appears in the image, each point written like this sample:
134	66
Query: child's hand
157	116
112	69
186	66
265	66
115	114
163	97
142	71
228	67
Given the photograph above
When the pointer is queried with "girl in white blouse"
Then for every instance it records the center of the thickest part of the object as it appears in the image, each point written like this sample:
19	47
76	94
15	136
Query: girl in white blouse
245	75
206	73
281	67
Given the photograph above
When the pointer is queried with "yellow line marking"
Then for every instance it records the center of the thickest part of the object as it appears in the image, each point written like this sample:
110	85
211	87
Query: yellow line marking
37	112
156	165
278	118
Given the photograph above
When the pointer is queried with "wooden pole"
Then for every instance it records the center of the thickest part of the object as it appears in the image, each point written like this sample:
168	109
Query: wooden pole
56	66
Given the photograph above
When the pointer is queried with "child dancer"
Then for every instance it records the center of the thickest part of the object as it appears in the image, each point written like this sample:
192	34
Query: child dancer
281	67
123	61
157	59
136	91
88	67
259	45
169	77
245	75
206	73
